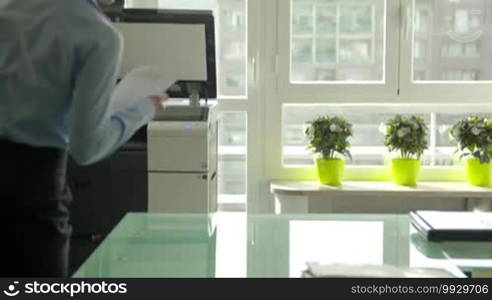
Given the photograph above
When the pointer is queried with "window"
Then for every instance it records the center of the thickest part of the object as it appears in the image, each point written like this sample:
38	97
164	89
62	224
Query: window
337	41
232	160
368	141
452	40
445	49
336	48
368	60
391	50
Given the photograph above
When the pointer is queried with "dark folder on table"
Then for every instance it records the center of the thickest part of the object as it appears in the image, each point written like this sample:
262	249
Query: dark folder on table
438	226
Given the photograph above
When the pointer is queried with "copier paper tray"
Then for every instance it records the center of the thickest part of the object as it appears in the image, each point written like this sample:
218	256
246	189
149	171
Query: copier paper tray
183	113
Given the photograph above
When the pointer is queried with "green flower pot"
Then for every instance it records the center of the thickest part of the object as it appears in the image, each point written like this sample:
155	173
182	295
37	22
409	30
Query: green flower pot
478	174
406	171
330	171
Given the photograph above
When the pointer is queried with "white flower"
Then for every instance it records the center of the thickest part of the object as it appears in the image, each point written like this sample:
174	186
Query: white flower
335	128
383	128
476	131
443	128
403	132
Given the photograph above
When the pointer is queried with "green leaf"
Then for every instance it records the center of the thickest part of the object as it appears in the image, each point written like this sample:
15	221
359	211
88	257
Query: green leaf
407	135
473	136
329	136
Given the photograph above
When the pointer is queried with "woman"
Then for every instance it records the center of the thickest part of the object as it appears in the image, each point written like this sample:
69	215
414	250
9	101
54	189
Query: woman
58	67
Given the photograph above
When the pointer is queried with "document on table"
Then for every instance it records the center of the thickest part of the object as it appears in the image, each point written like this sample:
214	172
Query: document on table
438	226
140	83
316	270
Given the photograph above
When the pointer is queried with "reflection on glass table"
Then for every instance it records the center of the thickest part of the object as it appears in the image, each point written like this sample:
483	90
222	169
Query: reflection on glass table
240	245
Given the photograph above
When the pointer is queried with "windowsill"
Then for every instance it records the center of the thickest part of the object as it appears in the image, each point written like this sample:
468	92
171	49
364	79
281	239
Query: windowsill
378	168
374	174
451	190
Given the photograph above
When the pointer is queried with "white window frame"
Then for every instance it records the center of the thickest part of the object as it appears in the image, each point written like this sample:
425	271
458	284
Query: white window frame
341	91
250	105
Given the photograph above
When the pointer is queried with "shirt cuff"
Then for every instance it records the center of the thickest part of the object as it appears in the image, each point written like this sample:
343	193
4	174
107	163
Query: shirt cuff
147	108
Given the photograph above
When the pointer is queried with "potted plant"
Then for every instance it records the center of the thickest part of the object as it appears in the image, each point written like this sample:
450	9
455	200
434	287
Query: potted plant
329	139
408	137
474	138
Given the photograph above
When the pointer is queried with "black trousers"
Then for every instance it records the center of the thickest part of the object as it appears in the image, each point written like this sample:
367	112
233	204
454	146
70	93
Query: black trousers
34	217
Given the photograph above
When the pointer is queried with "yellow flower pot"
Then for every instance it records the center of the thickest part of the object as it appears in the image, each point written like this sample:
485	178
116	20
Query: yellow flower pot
478	174
330	171
406	171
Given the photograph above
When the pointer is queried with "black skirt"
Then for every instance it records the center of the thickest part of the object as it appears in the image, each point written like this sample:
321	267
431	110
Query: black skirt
34	216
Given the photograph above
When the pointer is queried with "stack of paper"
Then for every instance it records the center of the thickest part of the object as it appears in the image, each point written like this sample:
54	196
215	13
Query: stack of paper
138	84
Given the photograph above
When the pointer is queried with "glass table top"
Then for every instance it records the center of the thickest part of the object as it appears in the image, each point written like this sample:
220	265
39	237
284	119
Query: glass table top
240	245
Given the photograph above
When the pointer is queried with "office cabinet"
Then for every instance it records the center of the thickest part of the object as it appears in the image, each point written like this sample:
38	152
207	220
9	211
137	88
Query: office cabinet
184	199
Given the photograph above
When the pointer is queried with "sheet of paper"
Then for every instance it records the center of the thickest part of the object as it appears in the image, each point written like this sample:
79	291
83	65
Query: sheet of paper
140	83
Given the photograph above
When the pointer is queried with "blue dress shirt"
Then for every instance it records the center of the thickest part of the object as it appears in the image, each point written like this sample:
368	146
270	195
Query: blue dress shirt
58	65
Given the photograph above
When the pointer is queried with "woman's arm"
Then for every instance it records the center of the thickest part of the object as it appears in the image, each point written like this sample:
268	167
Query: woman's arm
96	130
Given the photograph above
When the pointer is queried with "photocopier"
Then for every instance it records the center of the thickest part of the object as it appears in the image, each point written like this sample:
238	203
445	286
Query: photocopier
182	140
182	160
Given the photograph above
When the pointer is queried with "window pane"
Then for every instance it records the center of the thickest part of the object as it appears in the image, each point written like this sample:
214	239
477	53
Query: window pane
231	23
337	41
367	143
232	159
452	40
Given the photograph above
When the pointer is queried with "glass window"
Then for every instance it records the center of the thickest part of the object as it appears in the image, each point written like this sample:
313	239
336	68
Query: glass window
326	19
368	141
231	23
232	160
452	40
445	149
337	41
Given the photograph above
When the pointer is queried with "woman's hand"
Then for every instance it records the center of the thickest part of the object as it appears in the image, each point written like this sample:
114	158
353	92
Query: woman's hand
159	101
